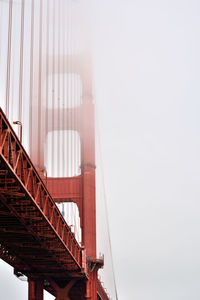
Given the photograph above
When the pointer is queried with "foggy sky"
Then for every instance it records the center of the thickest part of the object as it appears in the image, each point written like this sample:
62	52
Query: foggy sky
147	73
147	90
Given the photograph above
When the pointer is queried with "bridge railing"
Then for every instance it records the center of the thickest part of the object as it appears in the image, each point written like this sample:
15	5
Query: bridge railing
15	156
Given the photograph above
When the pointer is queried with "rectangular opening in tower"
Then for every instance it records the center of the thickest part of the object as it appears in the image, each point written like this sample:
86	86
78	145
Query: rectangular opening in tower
63	153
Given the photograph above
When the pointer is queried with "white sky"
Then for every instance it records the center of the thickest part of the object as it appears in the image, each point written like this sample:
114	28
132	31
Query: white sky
147	74
147	89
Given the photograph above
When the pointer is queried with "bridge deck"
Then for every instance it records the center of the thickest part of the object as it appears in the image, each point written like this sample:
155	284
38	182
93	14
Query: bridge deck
34	237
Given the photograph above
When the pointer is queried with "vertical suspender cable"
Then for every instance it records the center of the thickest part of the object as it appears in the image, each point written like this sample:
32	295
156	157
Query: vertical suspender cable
69	90
73	109
70	87
63	86
9	57
13	81
47	77
74	95
21	61
66	119
53	89
73	113
75	104
31	75
1	27
59	98
40	84
12	84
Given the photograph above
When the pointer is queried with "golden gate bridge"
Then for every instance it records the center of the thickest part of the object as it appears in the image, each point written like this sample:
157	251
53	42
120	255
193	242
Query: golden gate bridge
50	185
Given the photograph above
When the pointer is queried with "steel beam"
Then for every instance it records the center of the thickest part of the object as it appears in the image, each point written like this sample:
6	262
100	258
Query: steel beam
35	290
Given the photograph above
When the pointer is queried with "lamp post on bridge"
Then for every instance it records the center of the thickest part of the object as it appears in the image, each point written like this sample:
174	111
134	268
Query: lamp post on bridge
20	125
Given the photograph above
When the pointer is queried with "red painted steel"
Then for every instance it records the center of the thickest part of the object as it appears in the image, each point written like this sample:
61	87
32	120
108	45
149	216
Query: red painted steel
65	189
101	291
82	189
89	189
35	231
34	237
35	291
69	189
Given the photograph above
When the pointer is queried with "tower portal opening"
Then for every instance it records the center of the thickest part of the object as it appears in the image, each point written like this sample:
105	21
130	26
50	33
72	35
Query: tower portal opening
63	153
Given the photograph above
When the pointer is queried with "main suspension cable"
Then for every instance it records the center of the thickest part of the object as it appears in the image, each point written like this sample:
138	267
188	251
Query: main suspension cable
105	204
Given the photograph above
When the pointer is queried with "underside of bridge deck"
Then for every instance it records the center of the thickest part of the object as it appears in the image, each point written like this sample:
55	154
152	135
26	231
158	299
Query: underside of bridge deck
34	237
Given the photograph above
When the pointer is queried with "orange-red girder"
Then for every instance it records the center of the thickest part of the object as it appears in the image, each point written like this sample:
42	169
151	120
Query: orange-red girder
34	216
34	237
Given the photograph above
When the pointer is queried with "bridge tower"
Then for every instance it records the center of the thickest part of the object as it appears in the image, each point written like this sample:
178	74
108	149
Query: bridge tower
46	250
78	189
